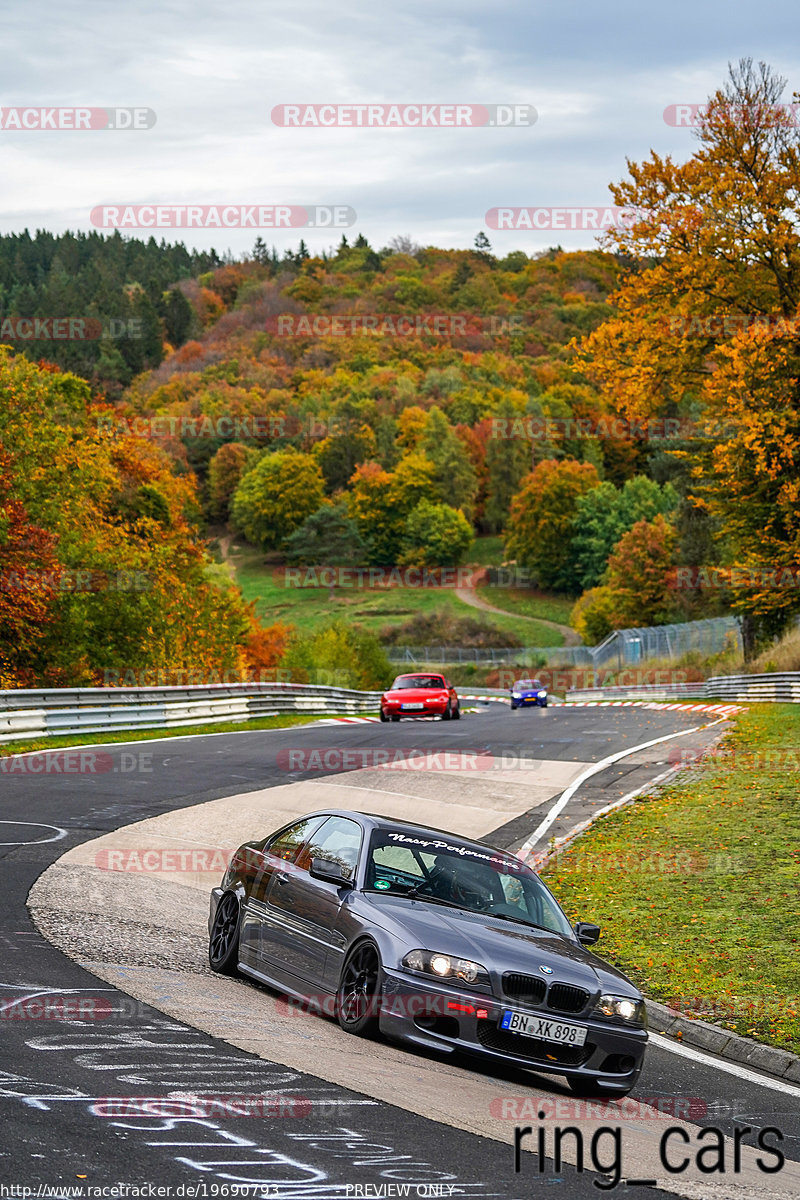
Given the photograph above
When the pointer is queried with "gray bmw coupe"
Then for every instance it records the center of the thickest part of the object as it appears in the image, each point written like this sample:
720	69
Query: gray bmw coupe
428	938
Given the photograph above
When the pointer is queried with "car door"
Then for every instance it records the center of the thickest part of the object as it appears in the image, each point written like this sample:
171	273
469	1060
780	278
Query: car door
263	860
300	940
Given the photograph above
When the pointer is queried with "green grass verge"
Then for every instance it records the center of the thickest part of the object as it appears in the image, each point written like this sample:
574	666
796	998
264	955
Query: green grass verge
525	602
283	721
486	552
698	891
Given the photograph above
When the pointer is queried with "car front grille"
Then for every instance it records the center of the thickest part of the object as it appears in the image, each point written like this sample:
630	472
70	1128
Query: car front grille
529	989
525	988
492	1038
564	998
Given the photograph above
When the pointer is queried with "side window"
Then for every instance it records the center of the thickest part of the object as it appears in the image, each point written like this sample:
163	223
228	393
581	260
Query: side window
338	840
289	841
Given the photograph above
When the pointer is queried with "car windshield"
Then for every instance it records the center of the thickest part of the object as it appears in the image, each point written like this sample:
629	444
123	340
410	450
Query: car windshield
417	681
431	866
529	685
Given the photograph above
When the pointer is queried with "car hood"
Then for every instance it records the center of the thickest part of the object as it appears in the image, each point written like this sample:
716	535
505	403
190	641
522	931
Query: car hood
499	946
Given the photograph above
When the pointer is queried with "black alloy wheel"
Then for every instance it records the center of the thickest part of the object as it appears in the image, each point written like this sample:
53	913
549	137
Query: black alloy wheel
358	998
223	944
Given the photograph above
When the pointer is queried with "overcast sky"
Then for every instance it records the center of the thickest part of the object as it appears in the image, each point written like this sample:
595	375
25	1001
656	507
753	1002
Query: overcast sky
599	75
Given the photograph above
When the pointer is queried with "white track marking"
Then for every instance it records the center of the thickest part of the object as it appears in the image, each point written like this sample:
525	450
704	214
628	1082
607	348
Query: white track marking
595	768
723	1064
60	833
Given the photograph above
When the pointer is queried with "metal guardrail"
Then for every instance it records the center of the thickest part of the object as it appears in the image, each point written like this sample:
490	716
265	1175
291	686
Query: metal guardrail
778	687
31	713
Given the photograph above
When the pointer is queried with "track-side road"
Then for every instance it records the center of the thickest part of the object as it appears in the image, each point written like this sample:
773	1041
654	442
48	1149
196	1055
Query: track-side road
327	1113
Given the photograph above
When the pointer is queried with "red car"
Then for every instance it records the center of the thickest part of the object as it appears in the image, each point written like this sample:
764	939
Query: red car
420	695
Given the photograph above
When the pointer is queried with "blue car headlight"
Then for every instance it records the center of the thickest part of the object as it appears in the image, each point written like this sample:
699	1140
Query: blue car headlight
516	695
540	694
445	966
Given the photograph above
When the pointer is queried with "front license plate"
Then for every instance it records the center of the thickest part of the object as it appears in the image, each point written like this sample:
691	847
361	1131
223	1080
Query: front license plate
544	1028
409	706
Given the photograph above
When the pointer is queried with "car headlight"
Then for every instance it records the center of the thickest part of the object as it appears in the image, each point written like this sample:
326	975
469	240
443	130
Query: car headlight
622	1008
540	694
444	966
517	695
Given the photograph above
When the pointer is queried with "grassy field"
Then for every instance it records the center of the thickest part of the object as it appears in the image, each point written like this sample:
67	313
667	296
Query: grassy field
486	552
308	608
698	891
528	603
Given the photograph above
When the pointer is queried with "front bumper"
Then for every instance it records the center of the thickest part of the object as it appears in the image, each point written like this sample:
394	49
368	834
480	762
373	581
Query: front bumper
529	702
433	708
452	1019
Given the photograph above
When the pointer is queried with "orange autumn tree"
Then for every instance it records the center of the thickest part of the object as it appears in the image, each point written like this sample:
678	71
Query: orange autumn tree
540	525
28	579
141	597
704	320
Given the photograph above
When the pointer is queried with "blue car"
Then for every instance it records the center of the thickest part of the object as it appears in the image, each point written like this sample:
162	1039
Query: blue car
527	693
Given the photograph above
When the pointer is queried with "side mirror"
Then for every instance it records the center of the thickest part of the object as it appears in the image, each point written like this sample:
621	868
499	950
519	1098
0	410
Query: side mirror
331	872
587	934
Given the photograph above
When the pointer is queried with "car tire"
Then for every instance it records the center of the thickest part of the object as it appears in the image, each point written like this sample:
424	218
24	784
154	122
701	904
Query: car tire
384	716
223	941
360	991
457	713
590	1088
395	718
447	715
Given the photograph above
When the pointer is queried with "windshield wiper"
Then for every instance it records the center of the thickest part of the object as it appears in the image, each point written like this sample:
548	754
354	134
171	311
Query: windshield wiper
517	920
411	894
